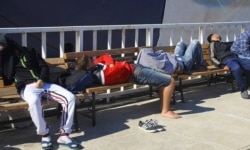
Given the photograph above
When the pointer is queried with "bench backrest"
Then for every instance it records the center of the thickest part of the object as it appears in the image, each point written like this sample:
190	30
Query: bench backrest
56	65
128	54
125	54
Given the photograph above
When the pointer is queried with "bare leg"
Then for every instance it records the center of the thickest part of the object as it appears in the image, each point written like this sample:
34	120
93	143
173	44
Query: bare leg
166	94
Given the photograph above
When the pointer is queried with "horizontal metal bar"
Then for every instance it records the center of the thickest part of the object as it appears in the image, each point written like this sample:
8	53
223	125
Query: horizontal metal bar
114	27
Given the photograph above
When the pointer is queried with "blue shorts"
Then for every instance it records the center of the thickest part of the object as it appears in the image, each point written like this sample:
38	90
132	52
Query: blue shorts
148	76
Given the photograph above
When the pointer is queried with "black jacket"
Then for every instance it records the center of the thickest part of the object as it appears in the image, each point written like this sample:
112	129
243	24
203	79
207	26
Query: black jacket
219	51
22	65
222	50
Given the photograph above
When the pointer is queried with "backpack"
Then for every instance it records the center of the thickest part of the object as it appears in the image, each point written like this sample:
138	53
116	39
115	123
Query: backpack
76	81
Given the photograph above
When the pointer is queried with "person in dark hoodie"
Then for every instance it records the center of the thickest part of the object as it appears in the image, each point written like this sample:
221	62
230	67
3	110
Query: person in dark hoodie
31	76
221	56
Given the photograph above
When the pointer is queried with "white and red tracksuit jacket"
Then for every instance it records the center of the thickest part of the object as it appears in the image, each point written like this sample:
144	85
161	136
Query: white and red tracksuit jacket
113	72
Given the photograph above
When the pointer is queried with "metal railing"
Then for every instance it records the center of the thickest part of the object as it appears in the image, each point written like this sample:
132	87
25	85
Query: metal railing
169	33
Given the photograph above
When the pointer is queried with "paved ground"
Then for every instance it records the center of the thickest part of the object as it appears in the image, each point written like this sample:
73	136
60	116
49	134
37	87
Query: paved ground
213	119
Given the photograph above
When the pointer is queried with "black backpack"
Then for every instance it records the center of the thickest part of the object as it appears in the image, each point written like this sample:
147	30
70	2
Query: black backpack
76	81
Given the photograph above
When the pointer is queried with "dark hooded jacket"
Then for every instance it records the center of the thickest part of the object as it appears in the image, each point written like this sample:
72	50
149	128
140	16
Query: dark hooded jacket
21	64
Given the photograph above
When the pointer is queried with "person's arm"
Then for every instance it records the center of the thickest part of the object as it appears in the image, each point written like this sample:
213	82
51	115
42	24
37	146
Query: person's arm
215	61
245	44
241	45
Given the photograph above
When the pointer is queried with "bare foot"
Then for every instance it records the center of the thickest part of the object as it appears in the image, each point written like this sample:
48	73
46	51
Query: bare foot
170	114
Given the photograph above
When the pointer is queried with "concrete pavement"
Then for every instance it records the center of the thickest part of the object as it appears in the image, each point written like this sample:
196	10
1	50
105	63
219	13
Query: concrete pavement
213	119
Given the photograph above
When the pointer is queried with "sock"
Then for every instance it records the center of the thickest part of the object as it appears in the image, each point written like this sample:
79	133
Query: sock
46	137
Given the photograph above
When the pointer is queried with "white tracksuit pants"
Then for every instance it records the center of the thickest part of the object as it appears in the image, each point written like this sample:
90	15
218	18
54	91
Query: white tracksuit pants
33	95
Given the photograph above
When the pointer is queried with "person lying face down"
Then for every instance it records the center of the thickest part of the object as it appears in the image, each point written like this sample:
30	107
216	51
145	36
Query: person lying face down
108	70
222	56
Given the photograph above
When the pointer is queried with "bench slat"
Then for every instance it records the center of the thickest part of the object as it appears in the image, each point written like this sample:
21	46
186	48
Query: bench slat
55	61
100	52
103	88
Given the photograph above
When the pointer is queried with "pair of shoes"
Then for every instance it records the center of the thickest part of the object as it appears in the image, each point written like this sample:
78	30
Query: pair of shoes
244	94
150	126
65	140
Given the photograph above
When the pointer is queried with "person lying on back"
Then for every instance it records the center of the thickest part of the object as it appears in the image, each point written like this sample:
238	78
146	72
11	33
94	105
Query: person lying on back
184	60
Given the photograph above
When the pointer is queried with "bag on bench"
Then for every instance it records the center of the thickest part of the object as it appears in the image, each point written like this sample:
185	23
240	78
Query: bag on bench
76	81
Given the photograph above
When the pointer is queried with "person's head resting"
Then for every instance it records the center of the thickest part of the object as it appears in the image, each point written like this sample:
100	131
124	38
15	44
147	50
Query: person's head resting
83	63
214	37
3	42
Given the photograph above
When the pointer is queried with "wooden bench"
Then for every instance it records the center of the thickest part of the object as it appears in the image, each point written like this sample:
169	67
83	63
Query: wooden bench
8	93
59	65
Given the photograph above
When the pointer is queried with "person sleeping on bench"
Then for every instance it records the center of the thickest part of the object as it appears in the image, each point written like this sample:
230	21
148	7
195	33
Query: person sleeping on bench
104	70
222	57
184	60
31	76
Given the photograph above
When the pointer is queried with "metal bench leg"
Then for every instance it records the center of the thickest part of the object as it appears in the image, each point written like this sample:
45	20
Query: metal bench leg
210	80
181	90
231	78
93	109
76	120
173	97
150	91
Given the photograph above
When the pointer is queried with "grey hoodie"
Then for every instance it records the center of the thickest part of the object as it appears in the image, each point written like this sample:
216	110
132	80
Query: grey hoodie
159	59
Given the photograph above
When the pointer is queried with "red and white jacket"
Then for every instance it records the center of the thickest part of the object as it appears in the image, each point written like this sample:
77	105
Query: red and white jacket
113	72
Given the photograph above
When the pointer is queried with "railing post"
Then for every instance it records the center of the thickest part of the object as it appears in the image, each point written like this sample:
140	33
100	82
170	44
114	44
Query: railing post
227	34
61	45
192	34
136	37
149	36
94	40
171	37
79	41
181	38
24	39
44	46
201	34
123	38
242	28
109	39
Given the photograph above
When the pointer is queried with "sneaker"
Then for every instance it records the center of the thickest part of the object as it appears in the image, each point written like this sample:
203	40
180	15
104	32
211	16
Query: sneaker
65	140
46	142
244	94
158	127
147	126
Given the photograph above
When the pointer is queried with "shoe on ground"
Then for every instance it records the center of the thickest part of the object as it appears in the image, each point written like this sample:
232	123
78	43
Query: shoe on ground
244	94
147	126
158	127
